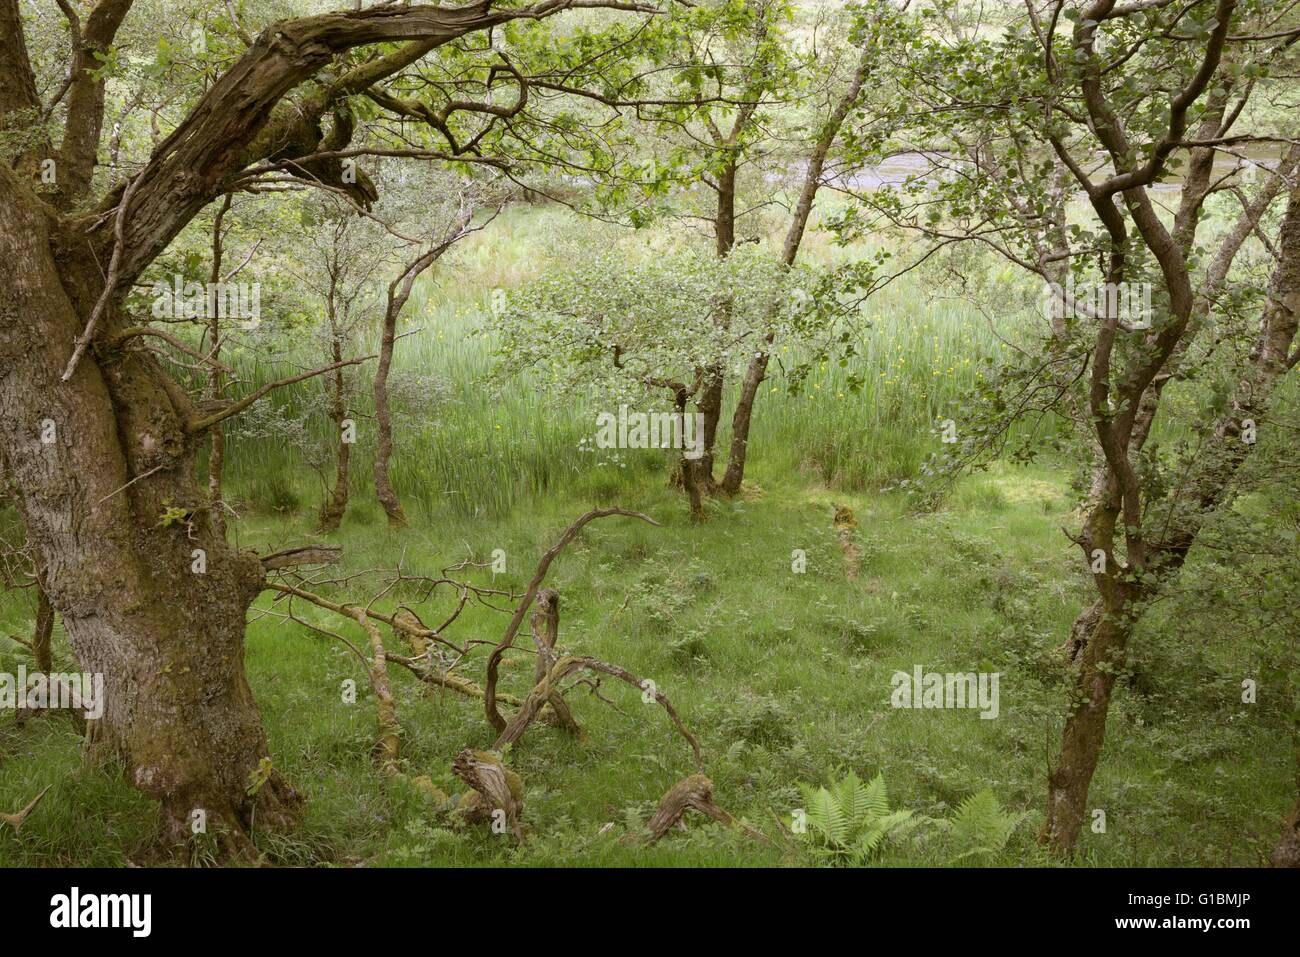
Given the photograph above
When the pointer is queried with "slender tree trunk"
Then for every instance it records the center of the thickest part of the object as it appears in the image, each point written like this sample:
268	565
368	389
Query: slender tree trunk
698	475
336	502
1085	730
689	475
724	224
741	420
383	416
710	406
743	416
217	436
1100	635
104	469
399	291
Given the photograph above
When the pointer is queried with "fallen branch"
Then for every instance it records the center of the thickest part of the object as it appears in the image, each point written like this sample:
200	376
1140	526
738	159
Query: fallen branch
388	747
303	555
691	793
566	666
495	789
490	686
446	679
350	611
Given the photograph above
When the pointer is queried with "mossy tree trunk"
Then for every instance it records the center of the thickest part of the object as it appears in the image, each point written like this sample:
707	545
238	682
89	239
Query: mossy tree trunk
151	598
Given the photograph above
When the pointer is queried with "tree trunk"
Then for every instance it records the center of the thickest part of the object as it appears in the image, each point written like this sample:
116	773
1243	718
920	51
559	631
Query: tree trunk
384	443
1101	632
740	422
105	476
216	435
399	291
812	181
336	502
697	476
710	405
694	480
1085	730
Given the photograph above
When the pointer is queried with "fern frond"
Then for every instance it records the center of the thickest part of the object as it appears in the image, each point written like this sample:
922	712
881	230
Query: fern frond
827	817
854	799
877	798
981	826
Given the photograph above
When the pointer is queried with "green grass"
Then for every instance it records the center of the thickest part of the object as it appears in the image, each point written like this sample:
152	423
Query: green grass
785	677
478	450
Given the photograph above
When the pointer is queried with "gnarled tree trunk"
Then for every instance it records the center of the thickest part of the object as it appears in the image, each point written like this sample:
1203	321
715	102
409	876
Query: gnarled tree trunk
150	597
1101	633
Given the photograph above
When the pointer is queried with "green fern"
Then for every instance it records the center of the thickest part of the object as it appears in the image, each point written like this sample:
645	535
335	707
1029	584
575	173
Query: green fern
852	823
980	826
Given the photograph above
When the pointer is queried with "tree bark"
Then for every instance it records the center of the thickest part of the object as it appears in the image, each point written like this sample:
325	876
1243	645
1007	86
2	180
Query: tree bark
336	501
120	552
1085	731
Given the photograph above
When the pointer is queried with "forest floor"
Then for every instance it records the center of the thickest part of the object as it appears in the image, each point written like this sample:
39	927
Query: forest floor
784	676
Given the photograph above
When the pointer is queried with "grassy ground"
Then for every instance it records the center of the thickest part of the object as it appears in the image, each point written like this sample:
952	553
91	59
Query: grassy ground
785	677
